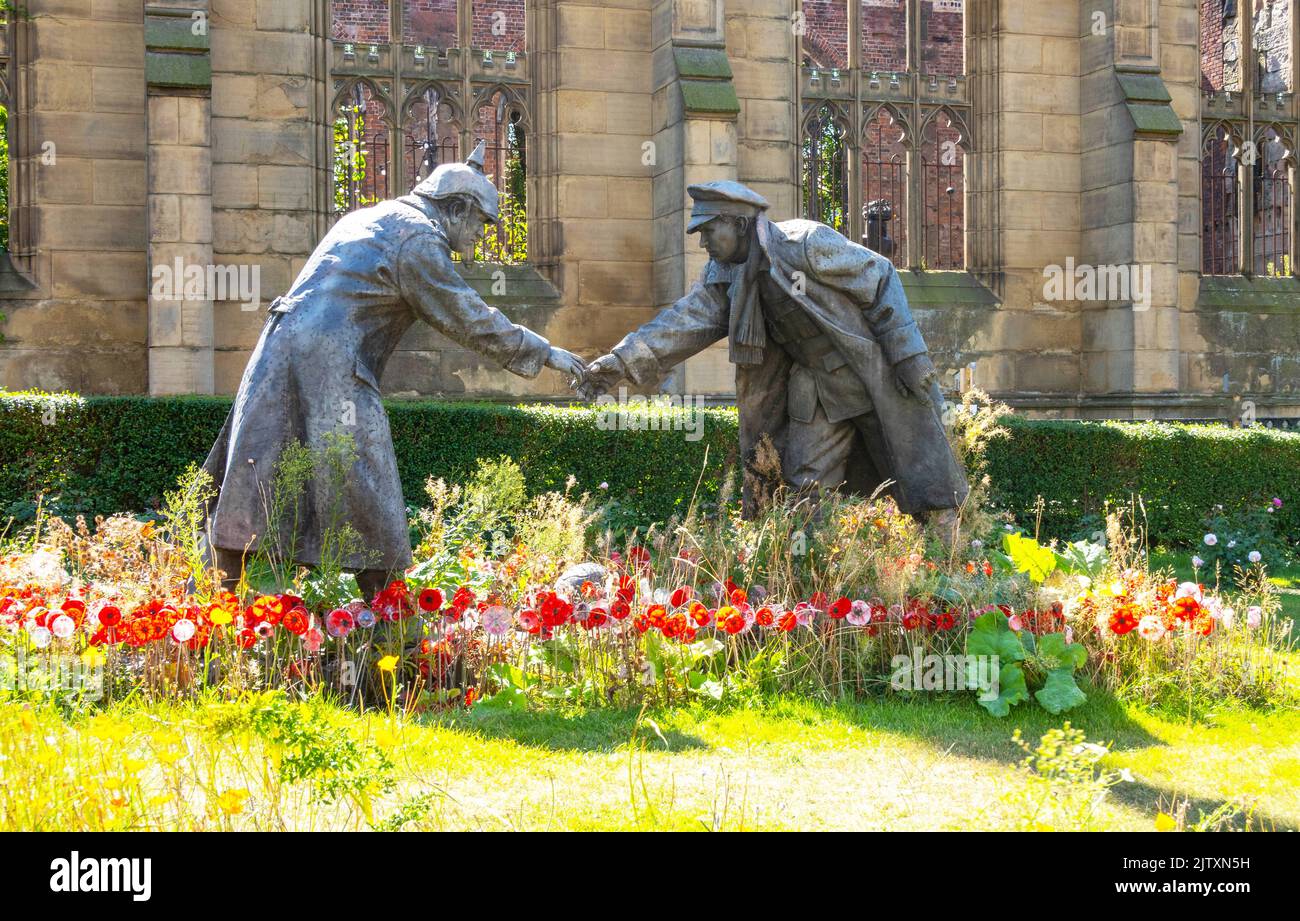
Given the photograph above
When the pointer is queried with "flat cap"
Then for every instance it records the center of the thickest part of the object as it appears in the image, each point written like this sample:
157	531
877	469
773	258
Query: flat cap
722	196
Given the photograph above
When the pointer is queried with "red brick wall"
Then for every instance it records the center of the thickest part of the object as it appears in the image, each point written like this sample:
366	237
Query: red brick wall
429	22
432	22
359	20
1212	45
884	35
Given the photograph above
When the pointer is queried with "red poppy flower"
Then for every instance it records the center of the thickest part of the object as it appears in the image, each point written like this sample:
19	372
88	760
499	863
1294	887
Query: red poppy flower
840	608
787	621
296	621
430	599
246	638
818	600
681	596
620	609
764	617
1123	621
110	615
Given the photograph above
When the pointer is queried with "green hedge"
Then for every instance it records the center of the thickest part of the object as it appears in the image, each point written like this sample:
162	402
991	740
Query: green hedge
104	454
1180	471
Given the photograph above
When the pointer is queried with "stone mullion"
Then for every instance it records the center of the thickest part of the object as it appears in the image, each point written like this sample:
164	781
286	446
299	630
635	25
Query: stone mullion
465	28
397	128
1250	89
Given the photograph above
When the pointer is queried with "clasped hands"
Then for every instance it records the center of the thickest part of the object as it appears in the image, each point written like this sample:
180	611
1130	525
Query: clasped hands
912	376
587	380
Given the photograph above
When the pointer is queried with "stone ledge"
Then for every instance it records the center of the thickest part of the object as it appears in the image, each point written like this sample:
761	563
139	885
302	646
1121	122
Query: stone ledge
1248	294
525	286
945	289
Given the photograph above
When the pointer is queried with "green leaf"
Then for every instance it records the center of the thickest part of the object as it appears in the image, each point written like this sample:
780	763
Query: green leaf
1066	656
1060	693
1029	556
508	698
704	684
992	637
706	648
1084	557
1011	691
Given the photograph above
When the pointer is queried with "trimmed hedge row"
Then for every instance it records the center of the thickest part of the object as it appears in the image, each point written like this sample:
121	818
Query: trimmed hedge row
99	455
1181	472
104	454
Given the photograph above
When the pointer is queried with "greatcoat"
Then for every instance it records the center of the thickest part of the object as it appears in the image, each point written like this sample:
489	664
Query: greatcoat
856	298
316	370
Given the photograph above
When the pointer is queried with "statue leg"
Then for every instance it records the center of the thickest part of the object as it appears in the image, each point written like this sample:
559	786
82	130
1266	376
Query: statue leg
818	454
230	562
373	581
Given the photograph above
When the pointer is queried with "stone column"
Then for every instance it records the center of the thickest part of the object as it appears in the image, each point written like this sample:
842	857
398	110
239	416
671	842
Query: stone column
694	110
1130	202
178	73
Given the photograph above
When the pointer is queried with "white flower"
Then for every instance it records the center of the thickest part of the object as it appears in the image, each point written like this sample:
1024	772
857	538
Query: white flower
1197	562
497	620
1228	618
604	486
1253	616
976	544
1189	590
1231	544
1254	556
1211	539
1151	628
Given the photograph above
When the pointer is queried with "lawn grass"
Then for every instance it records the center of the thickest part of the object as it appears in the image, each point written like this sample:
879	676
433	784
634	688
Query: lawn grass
934	762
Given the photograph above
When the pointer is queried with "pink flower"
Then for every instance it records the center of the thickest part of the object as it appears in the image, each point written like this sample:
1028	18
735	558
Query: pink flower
1254	615
859	613
498	620
1015	623
1151	628
312	639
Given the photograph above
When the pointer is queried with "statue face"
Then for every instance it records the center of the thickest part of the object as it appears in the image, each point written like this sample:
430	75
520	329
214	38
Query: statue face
726	238
464	227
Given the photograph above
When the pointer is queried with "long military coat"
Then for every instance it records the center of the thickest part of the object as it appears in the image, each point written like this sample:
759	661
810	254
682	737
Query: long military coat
854	296
316	370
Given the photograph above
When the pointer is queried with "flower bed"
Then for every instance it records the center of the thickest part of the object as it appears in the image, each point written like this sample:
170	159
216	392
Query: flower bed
517	602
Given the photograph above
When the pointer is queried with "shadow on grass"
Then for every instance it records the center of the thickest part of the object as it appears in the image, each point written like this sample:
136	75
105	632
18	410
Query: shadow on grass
599	730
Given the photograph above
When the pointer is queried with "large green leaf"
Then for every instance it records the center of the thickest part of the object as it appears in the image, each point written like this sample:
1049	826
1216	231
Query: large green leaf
1084	557
705	684
1011	691
1029	556
1060	693
1055	653
992	637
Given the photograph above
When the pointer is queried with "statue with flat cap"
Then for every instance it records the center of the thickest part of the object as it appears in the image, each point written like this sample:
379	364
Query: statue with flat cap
830	364
316	371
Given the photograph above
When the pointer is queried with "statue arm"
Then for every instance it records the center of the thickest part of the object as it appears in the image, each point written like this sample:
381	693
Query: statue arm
689	326
429	282
872	281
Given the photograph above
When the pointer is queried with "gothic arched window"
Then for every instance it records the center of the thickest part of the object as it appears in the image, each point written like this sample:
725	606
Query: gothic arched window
888	66
420	82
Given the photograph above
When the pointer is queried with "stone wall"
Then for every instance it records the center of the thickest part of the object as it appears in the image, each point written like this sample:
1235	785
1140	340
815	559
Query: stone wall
1086	150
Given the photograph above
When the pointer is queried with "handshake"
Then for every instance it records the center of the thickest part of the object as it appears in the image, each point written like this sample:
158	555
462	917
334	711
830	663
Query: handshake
587	380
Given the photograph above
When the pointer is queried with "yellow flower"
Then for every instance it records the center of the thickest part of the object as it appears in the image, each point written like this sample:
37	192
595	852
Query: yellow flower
232	801
220	616
1165	822
93	657
388	664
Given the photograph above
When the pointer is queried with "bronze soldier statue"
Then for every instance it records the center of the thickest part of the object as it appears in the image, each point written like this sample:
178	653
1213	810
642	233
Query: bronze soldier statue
317	366
829	361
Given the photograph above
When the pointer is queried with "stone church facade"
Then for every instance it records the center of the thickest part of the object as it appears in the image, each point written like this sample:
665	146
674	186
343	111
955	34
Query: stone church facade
1091	203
